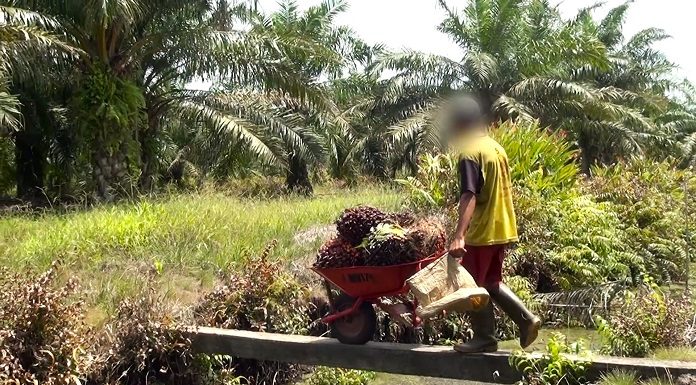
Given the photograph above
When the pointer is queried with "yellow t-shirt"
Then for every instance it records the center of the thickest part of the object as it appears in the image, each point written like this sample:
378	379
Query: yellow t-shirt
493	222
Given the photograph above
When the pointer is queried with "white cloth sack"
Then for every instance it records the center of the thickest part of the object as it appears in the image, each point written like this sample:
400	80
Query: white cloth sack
445	285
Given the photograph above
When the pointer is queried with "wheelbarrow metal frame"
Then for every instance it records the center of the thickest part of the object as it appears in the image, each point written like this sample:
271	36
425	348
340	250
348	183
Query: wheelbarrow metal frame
371	290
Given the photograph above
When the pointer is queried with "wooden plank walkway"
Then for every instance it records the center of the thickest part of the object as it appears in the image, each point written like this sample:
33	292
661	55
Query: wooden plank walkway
421	360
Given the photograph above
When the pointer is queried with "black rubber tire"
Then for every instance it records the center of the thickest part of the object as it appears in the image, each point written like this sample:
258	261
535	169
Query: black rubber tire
357	328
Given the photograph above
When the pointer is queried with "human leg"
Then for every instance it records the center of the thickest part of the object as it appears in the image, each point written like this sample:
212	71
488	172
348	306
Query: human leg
528	323
477	263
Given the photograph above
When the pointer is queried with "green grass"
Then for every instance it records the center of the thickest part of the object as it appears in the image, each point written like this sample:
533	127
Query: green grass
182	241
590	337
675	354
620	377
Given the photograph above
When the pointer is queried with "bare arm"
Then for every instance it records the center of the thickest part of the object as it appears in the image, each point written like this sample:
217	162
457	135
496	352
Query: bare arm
467	203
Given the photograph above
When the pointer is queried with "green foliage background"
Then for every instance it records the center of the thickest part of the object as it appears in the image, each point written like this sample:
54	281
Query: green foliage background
629	220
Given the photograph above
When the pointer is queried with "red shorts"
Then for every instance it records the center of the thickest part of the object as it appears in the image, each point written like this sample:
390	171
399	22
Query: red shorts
485	263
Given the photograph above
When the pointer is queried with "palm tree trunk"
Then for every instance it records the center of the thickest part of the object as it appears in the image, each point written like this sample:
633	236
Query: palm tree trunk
30	162
586	158
298	176
486	99
111	172
585	164
148	156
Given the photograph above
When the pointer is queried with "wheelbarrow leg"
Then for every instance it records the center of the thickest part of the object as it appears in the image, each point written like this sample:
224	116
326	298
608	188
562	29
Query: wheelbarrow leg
329	295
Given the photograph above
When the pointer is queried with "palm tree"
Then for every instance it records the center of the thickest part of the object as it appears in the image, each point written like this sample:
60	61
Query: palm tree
680	121
524	62
29	47
135	57
306	130
243	57
23	36
637	118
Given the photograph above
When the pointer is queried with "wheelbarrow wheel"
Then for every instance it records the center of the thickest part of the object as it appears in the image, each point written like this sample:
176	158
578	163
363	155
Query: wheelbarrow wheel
357	328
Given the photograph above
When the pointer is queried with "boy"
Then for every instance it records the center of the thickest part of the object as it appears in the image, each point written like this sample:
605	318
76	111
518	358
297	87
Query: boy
486	225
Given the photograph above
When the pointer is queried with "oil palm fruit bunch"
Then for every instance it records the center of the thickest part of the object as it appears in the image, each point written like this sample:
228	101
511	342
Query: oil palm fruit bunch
427	237
388	245
339	252
356	223
402	218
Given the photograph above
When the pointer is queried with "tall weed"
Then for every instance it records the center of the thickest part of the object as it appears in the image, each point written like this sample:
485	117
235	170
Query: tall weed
261	296
144	342
554	367
645	319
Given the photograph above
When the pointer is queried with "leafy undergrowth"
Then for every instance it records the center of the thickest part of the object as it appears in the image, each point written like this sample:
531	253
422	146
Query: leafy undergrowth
590	337
645	319
44	340
336	376
183	241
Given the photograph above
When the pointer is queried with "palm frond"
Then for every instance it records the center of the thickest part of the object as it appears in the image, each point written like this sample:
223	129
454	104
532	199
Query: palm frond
610	28
9	113
541	87
240	128
510	108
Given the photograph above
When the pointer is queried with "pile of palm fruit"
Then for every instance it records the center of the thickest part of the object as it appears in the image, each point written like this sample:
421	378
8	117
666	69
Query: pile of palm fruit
368	236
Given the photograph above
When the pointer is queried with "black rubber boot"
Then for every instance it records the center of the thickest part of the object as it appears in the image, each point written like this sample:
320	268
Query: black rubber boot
528	323
483	324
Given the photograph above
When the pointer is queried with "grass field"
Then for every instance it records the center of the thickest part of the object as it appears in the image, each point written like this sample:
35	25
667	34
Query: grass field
181	241
180	244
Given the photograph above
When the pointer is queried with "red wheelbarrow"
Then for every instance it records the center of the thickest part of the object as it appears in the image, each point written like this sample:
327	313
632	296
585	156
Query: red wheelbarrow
353	319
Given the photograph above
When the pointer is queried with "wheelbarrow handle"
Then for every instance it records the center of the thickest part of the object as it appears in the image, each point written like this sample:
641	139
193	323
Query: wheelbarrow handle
442	254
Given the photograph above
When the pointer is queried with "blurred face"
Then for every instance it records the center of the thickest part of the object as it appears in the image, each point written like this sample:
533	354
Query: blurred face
463	115
456	129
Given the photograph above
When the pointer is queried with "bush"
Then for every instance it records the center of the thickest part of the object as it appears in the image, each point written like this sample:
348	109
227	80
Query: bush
540	160
259	296
645	319
435	184
43	338
654	203
569	241
553	367
143	342
335	376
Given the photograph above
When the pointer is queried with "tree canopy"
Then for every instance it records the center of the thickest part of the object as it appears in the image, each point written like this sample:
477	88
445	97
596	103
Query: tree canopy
94	98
